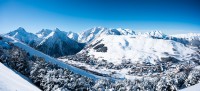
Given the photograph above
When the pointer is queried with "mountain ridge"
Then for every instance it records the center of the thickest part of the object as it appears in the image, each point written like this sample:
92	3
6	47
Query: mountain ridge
47	38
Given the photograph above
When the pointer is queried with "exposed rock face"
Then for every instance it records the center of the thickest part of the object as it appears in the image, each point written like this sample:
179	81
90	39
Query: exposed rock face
1	38
100	48
58	50
170	59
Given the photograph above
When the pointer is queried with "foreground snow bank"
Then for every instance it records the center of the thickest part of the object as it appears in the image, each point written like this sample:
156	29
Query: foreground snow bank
10	81
192	88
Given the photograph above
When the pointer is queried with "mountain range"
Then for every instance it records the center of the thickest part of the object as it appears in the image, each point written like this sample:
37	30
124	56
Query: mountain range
105	57
59	43
55	43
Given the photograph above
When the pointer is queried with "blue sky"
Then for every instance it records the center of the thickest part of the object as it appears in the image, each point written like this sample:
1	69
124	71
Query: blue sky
169	16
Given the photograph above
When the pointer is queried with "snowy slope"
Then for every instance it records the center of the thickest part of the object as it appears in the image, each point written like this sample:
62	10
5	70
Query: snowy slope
48	58
192	88
91	34
10	81
136	48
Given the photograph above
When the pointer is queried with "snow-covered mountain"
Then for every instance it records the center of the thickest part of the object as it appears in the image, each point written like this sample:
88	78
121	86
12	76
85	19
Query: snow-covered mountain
41	39
52	42
155	34
47	73
122	54
23	36
43	33
152	58
10	41
113	59
91	34
140	49
58	44
72	35
192	39
189	36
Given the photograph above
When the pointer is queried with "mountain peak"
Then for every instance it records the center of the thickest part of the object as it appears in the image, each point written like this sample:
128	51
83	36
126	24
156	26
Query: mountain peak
59	32
56	29
126	31
99	27
20	29
72	35
88	35
22	35
44	30
43	33
155	33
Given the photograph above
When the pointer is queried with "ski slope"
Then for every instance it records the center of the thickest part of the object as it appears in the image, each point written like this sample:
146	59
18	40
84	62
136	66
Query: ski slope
48	58
10	81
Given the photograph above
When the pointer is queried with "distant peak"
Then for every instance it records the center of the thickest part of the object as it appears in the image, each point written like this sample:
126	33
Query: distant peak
57	30
120	28
70	32
156	32
21	29
124	29
46	30
99	27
